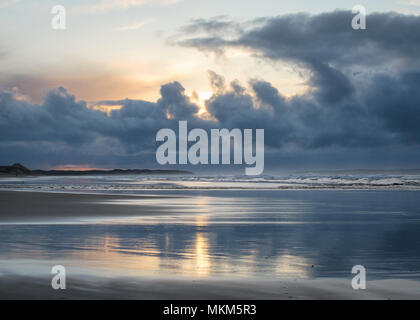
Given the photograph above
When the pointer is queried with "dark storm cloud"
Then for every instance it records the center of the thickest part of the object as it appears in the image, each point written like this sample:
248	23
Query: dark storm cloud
326	37
363	98
215	25
324	44
60	118
363	83
62	127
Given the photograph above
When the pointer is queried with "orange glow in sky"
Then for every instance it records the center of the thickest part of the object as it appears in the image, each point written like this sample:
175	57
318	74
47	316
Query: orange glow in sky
74	167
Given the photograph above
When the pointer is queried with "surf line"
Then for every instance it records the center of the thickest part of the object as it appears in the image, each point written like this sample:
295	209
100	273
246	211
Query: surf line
199	153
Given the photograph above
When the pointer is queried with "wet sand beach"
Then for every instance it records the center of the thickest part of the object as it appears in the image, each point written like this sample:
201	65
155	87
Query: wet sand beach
206	289
44	207
198	245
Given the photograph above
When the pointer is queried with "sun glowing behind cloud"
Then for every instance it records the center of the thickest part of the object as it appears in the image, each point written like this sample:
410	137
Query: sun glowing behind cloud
105	108
200	99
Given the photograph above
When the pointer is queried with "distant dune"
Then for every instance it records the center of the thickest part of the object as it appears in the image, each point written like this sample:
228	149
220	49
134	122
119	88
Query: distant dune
14	170
19	170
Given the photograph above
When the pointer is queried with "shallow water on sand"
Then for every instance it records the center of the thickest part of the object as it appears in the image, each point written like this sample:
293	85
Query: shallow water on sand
203	233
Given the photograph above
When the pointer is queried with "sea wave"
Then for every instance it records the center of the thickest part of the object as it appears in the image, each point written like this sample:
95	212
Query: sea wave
138	182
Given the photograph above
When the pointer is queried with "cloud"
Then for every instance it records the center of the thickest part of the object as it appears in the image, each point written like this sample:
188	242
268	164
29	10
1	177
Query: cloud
356	77
106	5
135	26
362	106
61	125
322	38
323	44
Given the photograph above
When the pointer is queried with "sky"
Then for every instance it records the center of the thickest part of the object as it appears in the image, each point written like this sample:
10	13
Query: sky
96	93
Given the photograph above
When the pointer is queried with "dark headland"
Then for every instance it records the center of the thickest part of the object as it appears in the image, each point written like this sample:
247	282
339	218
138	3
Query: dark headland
19	170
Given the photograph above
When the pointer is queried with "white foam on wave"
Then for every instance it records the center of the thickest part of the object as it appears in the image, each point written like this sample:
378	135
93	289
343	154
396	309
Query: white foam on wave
138	182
